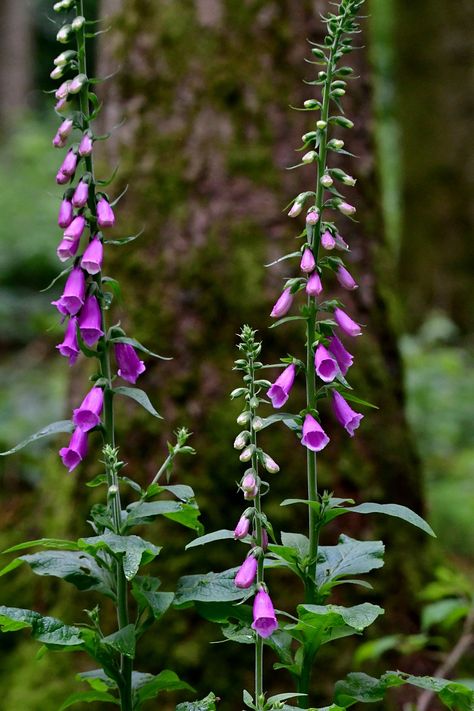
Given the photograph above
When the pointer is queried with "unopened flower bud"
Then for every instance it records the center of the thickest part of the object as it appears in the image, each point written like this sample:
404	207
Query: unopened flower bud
77	83
249	486
243	418
113	490
311	104
336	144
270	465
295	209
63	90
341	243
349	180
242	528
85	146
65	128
346	209
61	106
309	157
314	286
247	572
345	278
241	440
312	217
78	23
59	141
257	424
81	194
246	455
326	180
58	6
310	136
321	124
308	262
64	58
105	214
327	240
57	73
64	34
338	92
283	304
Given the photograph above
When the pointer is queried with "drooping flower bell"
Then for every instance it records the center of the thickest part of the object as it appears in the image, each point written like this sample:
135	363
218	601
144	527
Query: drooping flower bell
105	214
81	194
312	217
264	619
279	392
90	321
129	364
73	295
76	451
67	249
314	437
249	486
66	214
269	463
65	128
343	357
88	414
69	164
327	240
314	286
92	258
346	209
308	262
325	364
247	573
85	146
346	324
242	528
74	231
283	304
69	348
346	416
345	278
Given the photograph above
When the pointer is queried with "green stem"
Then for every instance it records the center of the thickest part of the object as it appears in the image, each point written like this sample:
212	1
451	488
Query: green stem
108	419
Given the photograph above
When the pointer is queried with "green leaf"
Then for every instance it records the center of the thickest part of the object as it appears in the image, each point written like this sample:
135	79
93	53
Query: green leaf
123	641
286	319
348	557
48	630
133	550
207	704
139	347
147	686
221	535
298	542
146	512
286	256
44	543
75	567
123	240
181	491
287	418
212	587
139	396
86	697
57	278
353	398
222	612
48	431
319	624
97	680
157	602
396	510
444	612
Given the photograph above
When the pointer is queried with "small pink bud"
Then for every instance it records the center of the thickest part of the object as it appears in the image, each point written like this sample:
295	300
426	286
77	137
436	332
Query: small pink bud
327	240
270	465
65	214
65	128
242	528
326	181
69	164
314	286
247	573
105	214
81	194
62	178
249	486
345	278
312	217
76	84
346	209
62	91
59	141
61	106
295	209
92	258
85	146
283	304
308	262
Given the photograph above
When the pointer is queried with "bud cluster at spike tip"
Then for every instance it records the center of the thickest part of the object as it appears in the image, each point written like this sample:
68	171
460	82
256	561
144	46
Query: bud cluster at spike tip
83	213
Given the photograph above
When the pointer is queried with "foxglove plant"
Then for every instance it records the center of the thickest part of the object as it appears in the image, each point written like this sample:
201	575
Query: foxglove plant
108	562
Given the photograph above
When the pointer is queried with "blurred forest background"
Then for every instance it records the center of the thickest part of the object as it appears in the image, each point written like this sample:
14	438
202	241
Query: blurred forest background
204	88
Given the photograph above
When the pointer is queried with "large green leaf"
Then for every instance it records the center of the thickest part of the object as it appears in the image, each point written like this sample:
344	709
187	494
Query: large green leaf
207	704
361	687
87	697
319	624
144	592
147	686
139	396
133	550
187	514
48	630
122	641
97	680
348	557
211	587
48	431
43	543
221	535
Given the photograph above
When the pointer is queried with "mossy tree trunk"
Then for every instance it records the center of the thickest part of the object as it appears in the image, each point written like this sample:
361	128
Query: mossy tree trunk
205	88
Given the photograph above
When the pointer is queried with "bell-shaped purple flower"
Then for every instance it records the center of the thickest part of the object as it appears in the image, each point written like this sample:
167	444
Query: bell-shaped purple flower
308	262
85	146
69	164
264	618
129	364
279	392
327	240
314	437
65	128
65	214
346	324
346	416
81	194
242	528
247	573
90	321
343	357
92	258
325	364
88	414
74	231
105	214
73	295
345	278
76	451
69	348
67	249
314	286
283	304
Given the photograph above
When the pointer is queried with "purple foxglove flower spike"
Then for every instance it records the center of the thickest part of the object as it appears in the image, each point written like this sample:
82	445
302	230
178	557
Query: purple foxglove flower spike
314	286
75	229
81	194
249	486
314	437
73	295
312	217
69	348
129	364
247	573
242	528
346	324
279	392
85	146
67	249
65	214
264	618
76	451
88	414
345	278
283	304
346	416
69	164
343	357
325	364
92	258
105	214
308	262
327	240
90	321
